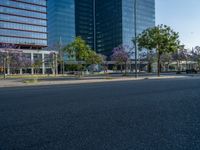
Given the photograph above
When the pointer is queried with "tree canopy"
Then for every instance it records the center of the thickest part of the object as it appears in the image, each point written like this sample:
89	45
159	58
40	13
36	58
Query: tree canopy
120	55
160	38
78	48
94	58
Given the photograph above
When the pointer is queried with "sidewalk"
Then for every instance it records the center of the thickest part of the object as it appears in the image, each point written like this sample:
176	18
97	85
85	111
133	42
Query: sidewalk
67	81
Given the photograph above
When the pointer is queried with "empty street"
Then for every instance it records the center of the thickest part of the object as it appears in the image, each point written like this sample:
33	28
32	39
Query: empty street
128	115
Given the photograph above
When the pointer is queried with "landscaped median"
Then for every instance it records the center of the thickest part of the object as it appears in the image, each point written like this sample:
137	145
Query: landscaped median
39	81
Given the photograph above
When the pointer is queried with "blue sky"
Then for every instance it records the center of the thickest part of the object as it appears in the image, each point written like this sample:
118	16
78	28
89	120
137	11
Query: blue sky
183	16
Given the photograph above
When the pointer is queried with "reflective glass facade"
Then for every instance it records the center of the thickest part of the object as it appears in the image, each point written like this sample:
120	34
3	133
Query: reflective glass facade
68	19
23	22
108	25
145	18
85	20
115	22
104	24
61	22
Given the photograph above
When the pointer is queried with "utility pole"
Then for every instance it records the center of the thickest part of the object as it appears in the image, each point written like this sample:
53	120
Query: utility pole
135	42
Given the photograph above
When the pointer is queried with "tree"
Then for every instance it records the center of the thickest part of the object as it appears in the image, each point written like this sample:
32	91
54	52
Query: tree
120	55
166	59
3	61
142	57
52	60
17	60
180	55
196	55
58	46
37	65
25	62
160	38
104	63
5	50
151	58
78	49
94	59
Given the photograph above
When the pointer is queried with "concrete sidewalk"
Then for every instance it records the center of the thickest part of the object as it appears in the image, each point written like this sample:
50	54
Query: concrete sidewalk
65	81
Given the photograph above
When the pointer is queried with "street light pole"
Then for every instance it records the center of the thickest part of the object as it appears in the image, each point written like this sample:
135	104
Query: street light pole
61	54
135	41
4	68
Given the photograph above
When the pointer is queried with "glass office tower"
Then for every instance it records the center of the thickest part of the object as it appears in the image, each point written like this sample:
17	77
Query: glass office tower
68	19
61	22
145	18
85	20
115	22
108	25
23	23
103	24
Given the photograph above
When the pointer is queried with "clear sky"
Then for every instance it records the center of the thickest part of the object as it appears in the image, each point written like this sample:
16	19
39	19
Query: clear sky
183	16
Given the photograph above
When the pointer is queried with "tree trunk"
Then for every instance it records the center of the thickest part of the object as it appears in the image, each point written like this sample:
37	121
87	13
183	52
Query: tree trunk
178	66
104	68
93	67
63	67
125	68
186	62
149	67
80	68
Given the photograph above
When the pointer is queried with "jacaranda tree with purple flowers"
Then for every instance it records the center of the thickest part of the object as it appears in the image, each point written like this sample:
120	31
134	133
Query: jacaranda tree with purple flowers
17	60
12	58
195	55
120	55
180	55
5	50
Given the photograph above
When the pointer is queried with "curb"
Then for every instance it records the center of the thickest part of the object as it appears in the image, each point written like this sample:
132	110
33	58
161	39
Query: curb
68	82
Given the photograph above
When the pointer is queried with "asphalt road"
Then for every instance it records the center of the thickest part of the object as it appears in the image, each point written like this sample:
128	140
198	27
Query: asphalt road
134	115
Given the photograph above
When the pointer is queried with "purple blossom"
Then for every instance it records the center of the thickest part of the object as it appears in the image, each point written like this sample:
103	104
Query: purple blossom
181	55
120	54
195	54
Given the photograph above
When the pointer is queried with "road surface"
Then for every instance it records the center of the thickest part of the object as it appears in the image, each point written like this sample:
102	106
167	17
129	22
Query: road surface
128	115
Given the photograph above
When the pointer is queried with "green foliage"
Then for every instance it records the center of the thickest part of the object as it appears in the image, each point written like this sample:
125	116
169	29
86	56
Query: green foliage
78	48
36	65
72	67
160	38
82	53
94	58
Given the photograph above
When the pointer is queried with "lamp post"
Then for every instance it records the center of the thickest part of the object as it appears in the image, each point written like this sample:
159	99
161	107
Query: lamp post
62	65
4	68
135	41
